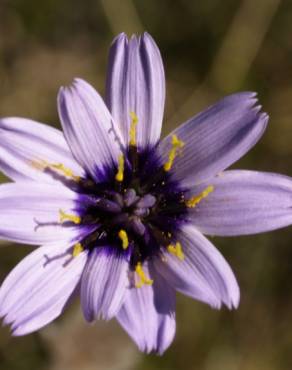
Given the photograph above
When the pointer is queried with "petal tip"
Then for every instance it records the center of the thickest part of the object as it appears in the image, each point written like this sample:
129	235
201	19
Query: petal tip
234	300
121	37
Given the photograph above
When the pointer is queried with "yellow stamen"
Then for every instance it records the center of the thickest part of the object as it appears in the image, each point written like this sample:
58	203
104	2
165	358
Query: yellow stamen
77	249
43	165
176	250
143	278
176	145
133	129
121	168
124	238
192	202
69	217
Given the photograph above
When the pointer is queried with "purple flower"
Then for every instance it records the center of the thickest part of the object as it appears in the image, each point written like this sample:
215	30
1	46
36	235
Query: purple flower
121	214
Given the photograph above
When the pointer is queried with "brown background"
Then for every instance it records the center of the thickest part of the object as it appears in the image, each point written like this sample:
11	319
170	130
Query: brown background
210	48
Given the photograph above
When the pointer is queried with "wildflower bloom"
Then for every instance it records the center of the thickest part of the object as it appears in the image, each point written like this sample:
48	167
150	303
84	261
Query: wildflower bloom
120	214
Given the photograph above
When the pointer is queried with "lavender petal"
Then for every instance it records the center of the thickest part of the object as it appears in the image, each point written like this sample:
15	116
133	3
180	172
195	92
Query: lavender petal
148	314
30	213
89	129
39	287
136	83
24	143
245	202
103	284
216	138
203	274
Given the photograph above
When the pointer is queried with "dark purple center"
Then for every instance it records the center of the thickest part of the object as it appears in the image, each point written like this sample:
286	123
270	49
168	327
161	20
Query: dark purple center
148	205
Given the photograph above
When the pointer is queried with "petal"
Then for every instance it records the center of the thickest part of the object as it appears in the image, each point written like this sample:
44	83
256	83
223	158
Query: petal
216	138
39	287
30	213
88	128
103	284
136	83
203	274
148	314
245	202
24	142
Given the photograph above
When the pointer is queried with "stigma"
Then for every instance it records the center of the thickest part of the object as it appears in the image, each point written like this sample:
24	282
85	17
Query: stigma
56	167
121	168
77	249
176	145
133	129
143	278
124	238
176	250
69	217
192	202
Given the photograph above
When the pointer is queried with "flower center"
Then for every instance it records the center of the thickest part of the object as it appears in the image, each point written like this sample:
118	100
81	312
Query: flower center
138	211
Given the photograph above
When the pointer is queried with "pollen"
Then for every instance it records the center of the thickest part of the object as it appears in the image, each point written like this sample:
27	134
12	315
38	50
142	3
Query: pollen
176	250
121	167
143	278
69	217
192	202
77	249
133	129
59	167
124	238
176	145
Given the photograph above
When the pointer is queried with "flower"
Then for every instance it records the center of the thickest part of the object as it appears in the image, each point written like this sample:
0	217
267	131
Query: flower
120	214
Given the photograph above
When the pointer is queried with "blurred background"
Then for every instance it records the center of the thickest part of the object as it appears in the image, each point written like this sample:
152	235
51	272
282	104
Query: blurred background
210	48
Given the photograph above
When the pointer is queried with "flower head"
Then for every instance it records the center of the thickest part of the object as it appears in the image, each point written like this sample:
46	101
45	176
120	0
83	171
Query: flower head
120	214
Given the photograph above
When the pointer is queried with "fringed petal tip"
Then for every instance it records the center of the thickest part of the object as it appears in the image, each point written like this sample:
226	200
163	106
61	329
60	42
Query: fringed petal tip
136	86
121	37
216	138
234	298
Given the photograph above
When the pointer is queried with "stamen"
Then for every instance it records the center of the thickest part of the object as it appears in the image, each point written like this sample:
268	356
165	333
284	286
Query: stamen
43	165
176	250
176	145
133	129
130	197
147	201
138	226
77	249
124	238
108	205
69	217
192	202
121	167
143	278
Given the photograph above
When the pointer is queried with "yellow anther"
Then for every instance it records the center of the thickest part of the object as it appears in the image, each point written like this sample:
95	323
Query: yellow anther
176	249
176	145
43	165
77	249
121	168
124	238
143	278
133	129
192	202
69	217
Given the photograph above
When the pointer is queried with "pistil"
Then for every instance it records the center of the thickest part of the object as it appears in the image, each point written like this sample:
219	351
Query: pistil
143	278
